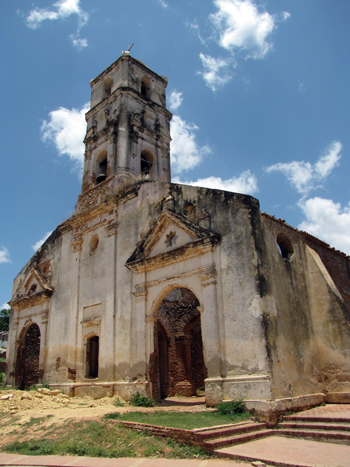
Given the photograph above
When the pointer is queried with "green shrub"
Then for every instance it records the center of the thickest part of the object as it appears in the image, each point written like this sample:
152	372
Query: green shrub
139	400
231	407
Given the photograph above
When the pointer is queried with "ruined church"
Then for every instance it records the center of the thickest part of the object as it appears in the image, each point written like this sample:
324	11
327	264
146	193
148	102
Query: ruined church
168	289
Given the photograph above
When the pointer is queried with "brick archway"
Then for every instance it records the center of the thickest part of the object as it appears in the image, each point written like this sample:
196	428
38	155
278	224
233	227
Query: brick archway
180	367
27	362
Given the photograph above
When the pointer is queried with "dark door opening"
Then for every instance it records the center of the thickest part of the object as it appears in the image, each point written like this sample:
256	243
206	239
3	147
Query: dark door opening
179	346
27	363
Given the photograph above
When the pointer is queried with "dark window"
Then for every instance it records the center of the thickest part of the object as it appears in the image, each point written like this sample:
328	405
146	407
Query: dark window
285	245
92	350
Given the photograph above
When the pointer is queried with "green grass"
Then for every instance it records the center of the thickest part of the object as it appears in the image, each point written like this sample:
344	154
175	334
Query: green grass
99	439
185	420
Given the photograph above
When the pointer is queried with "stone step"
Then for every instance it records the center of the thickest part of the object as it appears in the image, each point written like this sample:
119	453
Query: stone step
238	439
302	418
221	432
315	426
318	435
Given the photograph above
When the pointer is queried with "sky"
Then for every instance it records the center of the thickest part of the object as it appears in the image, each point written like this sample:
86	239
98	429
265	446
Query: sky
259	92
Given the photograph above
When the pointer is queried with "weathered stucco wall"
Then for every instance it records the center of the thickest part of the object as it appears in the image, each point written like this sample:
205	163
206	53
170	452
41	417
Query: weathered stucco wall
306	322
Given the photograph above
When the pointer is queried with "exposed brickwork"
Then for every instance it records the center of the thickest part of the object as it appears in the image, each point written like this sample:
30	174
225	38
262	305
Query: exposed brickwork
27	365
336	262
179	345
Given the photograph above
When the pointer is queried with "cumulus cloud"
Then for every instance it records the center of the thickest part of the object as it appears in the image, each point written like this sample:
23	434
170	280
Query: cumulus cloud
185	152
4	255
304	176
38	244
327	220
175	100
66	130
60	10
6	306
245	183
240	25
215	72
242	29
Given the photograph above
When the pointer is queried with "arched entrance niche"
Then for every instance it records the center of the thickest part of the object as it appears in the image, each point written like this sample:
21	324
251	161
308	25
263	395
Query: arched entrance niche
178	346
27	362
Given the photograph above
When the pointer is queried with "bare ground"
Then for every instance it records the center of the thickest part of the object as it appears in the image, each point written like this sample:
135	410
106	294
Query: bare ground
17	412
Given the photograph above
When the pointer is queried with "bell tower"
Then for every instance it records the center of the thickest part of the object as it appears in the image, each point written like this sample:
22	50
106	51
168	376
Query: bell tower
128	127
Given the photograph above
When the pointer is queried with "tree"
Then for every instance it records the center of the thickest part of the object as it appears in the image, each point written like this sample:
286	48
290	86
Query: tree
4	319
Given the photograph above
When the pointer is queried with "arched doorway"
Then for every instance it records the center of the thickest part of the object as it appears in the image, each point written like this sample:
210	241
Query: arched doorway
27	363
179	346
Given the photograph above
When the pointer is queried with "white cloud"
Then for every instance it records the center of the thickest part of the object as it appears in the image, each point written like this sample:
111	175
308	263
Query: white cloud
175	100
241	26
38	244
196	31
304	176
327	220
61	10
4	255
163	3
215	72
301	87
246	183
66	130
6	306
185	152
286	15
79	44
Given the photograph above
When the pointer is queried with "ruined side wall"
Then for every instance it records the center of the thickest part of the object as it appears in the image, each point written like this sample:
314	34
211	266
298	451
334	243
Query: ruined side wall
307	322
336	262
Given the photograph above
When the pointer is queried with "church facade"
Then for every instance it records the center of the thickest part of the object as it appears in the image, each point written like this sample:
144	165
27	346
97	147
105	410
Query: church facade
167	289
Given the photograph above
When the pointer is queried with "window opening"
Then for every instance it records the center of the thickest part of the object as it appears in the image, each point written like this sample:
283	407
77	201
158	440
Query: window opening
107	87
102	172
92	351
145	87
188	210
285	246
145	166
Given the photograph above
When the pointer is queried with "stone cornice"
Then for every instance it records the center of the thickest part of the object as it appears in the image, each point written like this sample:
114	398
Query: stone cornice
186	252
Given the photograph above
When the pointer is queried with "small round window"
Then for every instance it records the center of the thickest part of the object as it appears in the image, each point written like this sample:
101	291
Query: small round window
188	210
93	244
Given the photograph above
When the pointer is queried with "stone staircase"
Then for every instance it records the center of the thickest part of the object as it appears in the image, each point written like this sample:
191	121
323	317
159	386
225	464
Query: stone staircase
229	435
333	430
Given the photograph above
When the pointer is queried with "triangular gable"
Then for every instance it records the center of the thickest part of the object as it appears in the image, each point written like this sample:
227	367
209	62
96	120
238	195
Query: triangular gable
169	240
33	285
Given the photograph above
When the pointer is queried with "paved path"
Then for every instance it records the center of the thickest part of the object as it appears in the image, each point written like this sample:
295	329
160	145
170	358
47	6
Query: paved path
65	461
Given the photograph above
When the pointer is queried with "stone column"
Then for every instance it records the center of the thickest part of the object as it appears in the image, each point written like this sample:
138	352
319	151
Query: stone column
211	337
123	141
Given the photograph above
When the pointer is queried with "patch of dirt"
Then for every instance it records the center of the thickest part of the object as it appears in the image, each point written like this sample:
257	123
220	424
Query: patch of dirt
17	413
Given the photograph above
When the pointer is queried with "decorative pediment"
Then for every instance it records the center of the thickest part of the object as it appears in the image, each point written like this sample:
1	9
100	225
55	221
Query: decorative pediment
171	239
32	290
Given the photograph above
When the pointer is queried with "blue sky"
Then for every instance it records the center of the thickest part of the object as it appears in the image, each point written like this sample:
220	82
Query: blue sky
259	91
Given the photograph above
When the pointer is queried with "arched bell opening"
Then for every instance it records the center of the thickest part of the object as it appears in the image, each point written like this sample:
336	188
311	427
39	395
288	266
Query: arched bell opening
147	166
178	346
146	87
101	167
27	361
